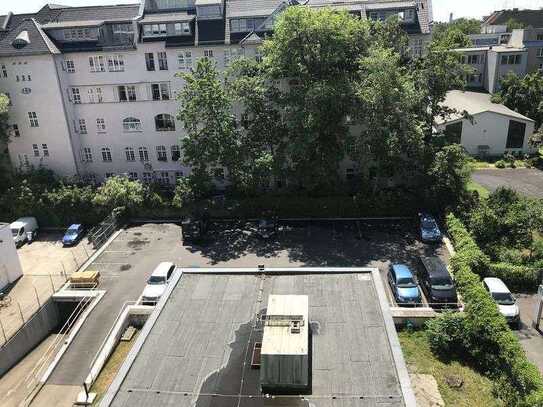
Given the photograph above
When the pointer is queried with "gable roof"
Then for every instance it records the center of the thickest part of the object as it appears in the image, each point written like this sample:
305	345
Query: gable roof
475	103
38	42
531	18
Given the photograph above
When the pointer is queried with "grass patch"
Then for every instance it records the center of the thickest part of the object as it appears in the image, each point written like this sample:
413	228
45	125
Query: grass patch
476	389
111	368
474	186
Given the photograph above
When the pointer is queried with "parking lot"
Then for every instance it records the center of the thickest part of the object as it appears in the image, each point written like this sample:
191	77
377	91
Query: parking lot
46	264
528	182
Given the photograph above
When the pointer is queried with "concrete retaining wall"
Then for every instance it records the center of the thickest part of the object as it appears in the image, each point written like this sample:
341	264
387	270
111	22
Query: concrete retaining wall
29	336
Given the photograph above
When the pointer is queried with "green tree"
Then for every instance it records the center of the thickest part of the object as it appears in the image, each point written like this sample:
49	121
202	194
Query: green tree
73	204
513	24
4	140
120	192
464	25
523	95
212	139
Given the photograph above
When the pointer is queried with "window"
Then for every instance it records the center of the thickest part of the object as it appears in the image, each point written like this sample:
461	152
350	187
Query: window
184	60
258	55
24	91
127	93
181	28
144	154
473	59
95	95
150	30
100	125
515	135
29	78
539	37
45	150
511	59
76	96
150	61
409	15
164	122
232	54
115	63
176	153
160	91
245	24
164	178
132	176
69	66
131	124
8	95
97	64
208	53
178	175
33	117
122	28
4	71
129	153
106	154
454	132
86	155
17	78
109	175
161	153
75	34
15	130
82	126
147	177
540	52
162	61
36	150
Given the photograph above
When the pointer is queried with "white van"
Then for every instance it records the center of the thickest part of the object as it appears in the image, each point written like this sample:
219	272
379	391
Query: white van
22	229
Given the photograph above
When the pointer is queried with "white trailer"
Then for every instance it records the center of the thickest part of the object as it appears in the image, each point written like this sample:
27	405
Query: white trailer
10	265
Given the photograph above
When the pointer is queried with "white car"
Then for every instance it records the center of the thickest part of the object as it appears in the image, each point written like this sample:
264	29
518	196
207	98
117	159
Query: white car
502	296
157	283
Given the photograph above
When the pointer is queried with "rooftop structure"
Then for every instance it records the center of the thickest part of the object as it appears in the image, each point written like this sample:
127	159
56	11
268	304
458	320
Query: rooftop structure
530	18
197	347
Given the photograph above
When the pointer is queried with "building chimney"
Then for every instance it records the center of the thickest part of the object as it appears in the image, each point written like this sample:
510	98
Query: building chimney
451	18
5	23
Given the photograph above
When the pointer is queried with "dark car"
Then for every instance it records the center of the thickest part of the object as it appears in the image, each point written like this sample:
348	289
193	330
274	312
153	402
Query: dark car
437	284
73	235
194	230
267	228
429	230
403	285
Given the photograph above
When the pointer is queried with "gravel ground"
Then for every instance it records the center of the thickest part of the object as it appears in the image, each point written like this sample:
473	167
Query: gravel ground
528	182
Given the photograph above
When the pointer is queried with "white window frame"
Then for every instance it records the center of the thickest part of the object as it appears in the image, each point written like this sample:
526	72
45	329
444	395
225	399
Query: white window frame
143	153
86	154
161	153
82	126
33	118
162	59
132	124
36	150
97	63
69	66
76	96
45	150
106	155
115	63
208	53
184	60
100	125
130	155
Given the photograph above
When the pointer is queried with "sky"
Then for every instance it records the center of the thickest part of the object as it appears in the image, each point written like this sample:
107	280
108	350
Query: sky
442	8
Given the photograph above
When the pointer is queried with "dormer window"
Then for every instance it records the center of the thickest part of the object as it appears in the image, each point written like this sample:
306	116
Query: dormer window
78	34
21	41
181	28
245	24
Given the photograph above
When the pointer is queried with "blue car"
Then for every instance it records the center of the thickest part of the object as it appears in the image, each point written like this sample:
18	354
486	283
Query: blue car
404	287
72	235
429	231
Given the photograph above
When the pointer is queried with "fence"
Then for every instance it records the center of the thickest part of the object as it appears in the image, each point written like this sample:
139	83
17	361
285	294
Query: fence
102	232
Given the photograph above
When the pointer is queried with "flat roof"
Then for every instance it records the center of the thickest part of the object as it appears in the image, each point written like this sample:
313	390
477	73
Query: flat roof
196	348
475	103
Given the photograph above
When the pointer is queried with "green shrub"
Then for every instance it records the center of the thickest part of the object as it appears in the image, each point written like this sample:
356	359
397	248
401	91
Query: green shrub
500	164
446	334
486	338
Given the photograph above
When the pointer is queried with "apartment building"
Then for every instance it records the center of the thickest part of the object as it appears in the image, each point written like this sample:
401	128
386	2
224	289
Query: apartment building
93	89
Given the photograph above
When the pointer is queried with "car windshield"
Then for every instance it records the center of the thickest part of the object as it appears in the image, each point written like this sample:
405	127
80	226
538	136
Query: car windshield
441	283
71	231
428	223
156	280
406	282
503	298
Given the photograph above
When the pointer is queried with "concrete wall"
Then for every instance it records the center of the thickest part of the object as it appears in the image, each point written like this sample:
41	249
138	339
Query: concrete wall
29	336
10	265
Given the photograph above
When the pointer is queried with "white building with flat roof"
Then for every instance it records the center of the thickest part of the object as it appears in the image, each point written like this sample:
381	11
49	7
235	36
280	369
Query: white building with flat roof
10	265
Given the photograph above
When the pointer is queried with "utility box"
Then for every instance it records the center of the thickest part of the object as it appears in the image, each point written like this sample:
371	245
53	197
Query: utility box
284	357
10	265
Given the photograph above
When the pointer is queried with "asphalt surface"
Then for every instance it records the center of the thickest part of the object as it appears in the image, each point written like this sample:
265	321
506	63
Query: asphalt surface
528	182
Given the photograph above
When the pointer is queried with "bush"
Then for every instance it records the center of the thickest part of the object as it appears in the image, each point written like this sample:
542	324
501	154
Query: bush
486	337
519	278
500	164
446	334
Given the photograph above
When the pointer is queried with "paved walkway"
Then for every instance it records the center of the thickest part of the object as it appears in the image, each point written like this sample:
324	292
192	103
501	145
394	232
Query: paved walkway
528	182
530	339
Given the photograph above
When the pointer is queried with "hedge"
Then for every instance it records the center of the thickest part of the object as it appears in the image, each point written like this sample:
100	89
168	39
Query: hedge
483	334
516	277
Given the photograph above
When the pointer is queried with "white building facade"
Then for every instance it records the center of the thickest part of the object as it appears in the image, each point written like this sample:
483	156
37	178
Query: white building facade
93	89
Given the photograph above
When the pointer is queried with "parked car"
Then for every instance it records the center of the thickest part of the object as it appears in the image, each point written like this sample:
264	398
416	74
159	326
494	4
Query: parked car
437	283
73	235
507	304
429	231
267	228
403	285
194	230
157	283
23	230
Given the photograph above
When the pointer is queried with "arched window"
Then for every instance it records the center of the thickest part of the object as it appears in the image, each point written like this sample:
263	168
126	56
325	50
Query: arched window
164	122
130	155
131	124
